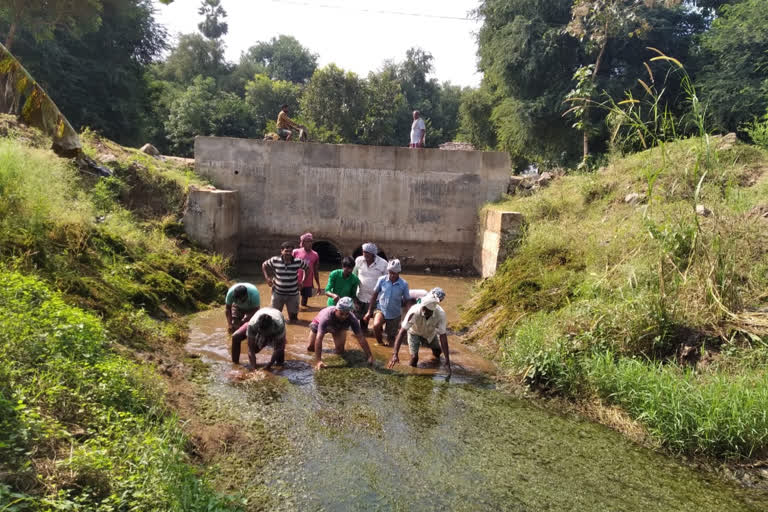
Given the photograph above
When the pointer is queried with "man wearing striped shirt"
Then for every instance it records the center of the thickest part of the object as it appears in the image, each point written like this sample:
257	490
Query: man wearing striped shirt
282	275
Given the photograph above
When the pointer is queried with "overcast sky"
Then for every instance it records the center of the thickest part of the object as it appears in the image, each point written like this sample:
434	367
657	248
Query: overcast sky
357	35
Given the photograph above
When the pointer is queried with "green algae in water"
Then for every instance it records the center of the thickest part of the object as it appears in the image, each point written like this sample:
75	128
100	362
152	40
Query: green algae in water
362	439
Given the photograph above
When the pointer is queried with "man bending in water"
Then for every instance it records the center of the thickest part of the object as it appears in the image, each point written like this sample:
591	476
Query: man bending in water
266	327
424	323
335	320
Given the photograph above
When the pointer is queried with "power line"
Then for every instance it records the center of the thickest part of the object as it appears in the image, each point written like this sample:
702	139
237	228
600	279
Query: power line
371	11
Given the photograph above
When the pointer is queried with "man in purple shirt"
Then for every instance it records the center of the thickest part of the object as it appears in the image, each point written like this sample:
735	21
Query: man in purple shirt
335	320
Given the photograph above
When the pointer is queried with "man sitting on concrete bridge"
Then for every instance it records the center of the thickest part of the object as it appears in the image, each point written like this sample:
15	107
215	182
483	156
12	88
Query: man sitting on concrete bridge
286	125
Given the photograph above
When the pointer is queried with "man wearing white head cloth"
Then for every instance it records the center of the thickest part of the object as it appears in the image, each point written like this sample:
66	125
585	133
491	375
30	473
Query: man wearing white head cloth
424	325
368	268
386	305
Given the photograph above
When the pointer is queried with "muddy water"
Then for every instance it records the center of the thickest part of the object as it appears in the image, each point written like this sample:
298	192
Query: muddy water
375	439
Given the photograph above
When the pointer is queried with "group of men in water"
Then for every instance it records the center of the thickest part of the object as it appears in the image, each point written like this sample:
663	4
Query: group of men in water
363	289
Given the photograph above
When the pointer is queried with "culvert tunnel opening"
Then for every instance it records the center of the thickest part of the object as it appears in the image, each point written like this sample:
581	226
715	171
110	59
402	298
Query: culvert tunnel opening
330	255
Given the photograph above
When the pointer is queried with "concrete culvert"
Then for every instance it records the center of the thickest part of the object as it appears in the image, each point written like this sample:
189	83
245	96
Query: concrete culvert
329	254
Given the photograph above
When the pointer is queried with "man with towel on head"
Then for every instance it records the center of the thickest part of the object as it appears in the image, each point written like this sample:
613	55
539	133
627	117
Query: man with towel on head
424	324
368	268
389	295
335	320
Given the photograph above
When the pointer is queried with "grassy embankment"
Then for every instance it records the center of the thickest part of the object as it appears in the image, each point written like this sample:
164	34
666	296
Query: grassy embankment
649	309
94	274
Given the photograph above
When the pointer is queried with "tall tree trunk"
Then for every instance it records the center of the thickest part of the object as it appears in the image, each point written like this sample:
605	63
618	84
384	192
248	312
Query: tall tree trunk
586	103
11	35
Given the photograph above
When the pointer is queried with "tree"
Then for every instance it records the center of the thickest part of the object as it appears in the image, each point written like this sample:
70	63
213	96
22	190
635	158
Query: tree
265	97
41	18
213	26
475	118
204	110
195	55
386	105
596	23
97	79
282	58
734	82
335	100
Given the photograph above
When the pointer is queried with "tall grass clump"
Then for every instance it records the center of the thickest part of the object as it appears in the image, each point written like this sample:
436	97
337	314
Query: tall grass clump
81	427
671	284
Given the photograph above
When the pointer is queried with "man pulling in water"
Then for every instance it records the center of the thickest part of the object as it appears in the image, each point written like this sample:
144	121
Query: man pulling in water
424	323
335	320
266	327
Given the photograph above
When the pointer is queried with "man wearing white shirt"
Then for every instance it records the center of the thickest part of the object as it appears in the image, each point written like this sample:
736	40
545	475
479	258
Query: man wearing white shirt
424	324
418	130
368	268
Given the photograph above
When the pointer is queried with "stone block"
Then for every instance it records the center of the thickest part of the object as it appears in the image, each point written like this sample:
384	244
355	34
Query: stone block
212	219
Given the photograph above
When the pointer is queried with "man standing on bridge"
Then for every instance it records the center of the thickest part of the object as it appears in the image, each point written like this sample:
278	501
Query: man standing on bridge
418	131
369	268
284	280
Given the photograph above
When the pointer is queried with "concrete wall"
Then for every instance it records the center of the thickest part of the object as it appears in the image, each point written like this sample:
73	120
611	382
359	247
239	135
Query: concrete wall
496	237
212	219
418	205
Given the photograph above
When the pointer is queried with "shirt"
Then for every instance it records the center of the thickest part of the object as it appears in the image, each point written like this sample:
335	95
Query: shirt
284	122
310	258
417	129
427	328
391	296
341	286
327	321
253	301
369	275
278	325
286	281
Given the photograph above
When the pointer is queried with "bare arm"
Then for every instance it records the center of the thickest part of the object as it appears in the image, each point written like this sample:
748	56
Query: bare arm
228	314
395	353
268	279
252	351
364	345
278	353
319	348
316	271
444	346
371	306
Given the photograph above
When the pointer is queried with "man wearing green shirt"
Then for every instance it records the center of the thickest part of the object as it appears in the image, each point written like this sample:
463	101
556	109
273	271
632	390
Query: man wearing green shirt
342	282
242	301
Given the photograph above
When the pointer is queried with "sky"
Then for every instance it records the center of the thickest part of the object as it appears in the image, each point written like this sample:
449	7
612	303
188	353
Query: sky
356	35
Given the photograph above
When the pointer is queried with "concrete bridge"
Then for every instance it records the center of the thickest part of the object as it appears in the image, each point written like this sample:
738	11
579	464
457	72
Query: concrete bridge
418	205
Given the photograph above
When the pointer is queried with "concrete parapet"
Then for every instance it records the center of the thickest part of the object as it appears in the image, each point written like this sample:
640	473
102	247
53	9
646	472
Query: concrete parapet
422	201
496	237
212	219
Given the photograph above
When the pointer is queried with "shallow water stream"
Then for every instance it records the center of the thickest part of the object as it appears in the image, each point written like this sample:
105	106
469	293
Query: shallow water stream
375	439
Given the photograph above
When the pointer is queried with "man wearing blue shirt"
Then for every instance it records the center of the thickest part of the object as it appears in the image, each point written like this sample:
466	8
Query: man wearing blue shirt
388	297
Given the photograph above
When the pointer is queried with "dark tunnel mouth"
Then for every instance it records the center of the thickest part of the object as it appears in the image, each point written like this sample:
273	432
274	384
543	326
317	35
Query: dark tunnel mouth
329	254
359	252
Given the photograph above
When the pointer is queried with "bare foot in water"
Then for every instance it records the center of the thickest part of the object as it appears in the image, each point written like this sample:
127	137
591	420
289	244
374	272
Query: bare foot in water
311	347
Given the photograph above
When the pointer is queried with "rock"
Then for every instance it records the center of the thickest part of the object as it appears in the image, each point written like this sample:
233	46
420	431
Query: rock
427	270
544	179
635	198
703	210
726	141
149	149
515	182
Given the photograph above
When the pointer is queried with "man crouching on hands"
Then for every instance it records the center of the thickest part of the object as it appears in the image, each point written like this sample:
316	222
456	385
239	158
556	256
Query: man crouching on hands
424	323
335	320
267	327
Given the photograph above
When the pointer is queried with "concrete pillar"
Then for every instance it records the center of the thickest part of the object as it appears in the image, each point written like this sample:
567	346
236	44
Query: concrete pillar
212	219
497	235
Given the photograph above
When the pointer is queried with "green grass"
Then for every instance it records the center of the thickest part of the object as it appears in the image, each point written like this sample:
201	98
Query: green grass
593	275
80	426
